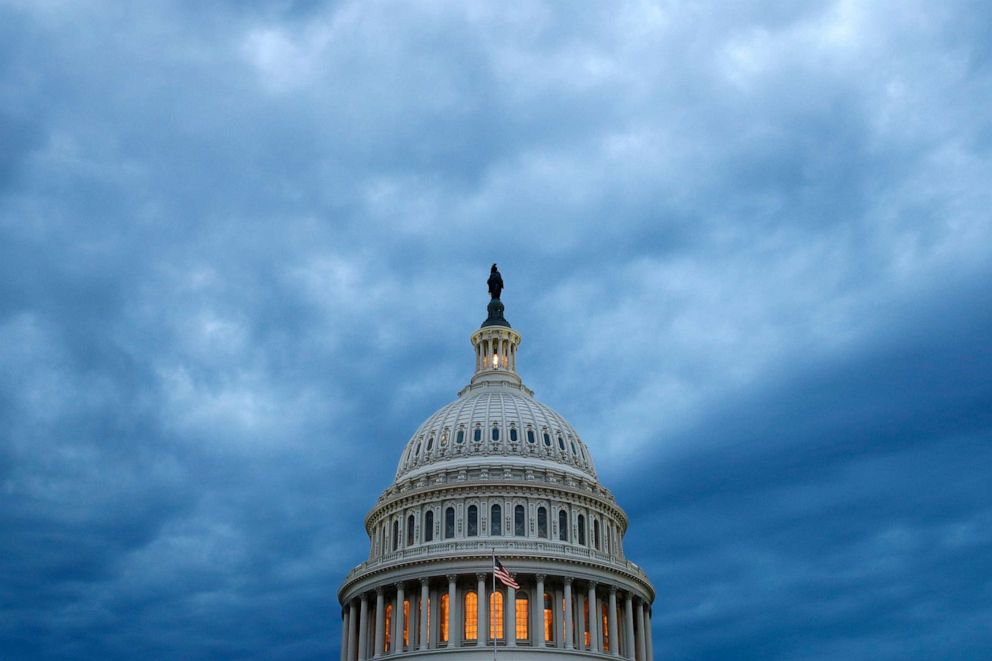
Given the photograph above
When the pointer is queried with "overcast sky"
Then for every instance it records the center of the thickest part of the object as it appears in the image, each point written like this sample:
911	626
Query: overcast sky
243	247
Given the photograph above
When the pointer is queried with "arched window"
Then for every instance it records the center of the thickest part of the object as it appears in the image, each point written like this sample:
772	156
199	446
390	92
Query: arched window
409	530
542	522
522	619
582	530
595	533
429	526
473	521
471	616
443	618
396	535
549	619
388	638
495	433
519	521
496	611
563	525
496	520
449	523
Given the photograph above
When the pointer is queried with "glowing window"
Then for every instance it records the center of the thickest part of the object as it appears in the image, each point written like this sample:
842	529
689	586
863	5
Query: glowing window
582	530
444	437
563	525
522	619
471	616
606	629
444	618
388	626
585	622
519	521
473	521
513	434
542	522
429	526
496	520
496	615
495	433
477	434
449	523
530	435
549	619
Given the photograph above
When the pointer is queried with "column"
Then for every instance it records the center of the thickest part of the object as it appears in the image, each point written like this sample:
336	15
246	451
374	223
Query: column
611	615
594	645
568	613
483	634
580	610
352	631
628	611
380	621
424	600
510	617
363	629
453	634
640	632
344	633
648	634
539	612
398	617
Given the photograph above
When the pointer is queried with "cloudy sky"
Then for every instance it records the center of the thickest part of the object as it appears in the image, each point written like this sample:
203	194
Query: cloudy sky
243	246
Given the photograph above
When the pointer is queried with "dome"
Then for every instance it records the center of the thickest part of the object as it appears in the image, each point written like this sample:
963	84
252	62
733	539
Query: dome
501	424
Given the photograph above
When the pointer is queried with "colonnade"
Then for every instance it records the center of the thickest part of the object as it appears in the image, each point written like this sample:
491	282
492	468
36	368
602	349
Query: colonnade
454	611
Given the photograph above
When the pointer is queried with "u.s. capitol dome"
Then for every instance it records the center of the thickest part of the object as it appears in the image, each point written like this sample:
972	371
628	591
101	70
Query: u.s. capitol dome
496	472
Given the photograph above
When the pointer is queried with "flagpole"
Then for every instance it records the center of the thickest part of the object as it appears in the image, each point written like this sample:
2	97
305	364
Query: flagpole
492	616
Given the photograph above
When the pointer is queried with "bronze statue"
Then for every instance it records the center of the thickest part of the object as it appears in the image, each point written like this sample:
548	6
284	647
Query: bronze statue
495	283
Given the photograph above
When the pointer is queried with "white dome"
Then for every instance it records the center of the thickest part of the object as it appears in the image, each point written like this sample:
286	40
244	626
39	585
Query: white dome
508	423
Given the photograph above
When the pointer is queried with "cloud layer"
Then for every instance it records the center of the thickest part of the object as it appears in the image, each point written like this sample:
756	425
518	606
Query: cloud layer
242	248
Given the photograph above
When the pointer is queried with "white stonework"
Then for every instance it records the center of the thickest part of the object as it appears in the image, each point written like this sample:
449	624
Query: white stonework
496	469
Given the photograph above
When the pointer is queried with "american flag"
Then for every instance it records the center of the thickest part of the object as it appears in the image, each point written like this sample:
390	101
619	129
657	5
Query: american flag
504	576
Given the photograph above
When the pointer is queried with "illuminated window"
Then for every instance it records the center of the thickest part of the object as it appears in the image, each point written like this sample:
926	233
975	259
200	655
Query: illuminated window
406	623
473	521
388	626
547	439
542	522
396	535
496	520
495	433
477	434
444	437
549	619
449	523
563	525
471	616
429	526
519	521
522	619
606	629
409	530
496	615
585	621
460	436
530	435
582	530
595	533
444	618
513	434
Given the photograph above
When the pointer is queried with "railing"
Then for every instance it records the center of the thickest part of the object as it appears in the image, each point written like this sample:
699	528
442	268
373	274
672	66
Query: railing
454	549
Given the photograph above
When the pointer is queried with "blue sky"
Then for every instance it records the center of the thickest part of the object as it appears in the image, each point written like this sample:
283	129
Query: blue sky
242	248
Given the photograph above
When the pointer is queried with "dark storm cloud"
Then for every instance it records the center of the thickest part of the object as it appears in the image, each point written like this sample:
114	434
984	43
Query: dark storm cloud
242	247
